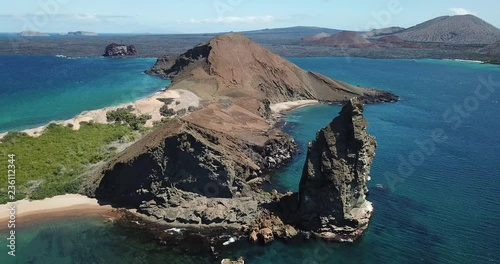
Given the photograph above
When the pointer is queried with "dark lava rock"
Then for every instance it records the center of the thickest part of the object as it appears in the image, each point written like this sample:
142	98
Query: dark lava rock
332	191
117	50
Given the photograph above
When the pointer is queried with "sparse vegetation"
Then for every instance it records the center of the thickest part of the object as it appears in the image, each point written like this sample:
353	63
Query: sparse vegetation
181	111
194	108
165	111
52	163
164	120
125	115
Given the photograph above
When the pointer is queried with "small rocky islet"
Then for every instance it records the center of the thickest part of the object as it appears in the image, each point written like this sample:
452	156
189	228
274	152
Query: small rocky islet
204	171
119	50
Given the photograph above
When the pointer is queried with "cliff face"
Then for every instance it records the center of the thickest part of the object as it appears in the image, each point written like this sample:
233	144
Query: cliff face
116	50
332	191
217	152
234	66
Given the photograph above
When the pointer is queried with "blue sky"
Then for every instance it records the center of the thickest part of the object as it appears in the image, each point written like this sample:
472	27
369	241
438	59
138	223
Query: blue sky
191	16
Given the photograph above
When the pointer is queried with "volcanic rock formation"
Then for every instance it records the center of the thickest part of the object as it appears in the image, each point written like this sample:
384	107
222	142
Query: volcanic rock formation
232	65
205	168
116	50
332	192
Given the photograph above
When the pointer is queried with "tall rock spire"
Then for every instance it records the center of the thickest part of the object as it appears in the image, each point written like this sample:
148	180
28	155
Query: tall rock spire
332	191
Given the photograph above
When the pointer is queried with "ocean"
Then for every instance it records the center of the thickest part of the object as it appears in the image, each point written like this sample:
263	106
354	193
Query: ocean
435	181
35	90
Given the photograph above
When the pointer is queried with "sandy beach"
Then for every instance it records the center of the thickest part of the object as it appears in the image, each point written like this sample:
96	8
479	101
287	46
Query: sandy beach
182	99
290	105
55	207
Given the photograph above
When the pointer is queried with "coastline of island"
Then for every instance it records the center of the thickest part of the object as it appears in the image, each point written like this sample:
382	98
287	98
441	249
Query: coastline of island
69	205
150	105
75	205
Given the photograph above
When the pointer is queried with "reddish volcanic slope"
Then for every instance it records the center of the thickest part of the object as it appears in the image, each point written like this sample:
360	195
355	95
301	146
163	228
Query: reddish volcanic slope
234	66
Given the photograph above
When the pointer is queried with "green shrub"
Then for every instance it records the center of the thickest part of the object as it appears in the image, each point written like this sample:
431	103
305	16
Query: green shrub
125	115
161	122
193	108
165	111
181	111
13	136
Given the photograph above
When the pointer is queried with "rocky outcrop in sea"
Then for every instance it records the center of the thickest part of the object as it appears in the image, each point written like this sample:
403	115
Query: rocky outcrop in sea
118	50
332	191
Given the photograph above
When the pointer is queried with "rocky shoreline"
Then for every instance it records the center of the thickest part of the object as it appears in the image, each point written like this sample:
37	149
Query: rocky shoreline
261	216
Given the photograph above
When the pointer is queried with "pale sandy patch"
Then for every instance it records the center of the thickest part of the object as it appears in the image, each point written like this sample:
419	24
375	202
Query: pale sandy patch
60	206
287	106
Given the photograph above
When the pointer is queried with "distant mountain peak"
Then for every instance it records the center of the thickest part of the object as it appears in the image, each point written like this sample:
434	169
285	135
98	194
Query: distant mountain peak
458	29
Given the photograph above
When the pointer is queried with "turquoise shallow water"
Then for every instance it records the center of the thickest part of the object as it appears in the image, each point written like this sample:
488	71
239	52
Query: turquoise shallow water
442	208
37	89
87	240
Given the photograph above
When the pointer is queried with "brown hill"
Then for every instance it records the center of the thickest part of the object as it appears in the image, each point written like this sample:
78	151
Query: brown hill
232	65
463	29
344	39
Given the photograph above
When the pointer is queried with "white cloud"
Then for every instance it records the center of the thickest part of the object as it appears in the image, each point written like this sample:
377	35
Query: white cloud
94	18
234	19
87	17
461	11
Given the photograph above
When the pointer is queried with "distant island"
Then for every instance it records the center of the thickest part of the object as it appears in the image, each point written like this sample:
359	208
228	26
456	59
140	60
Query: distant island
464	37
30	33
81	33
439	33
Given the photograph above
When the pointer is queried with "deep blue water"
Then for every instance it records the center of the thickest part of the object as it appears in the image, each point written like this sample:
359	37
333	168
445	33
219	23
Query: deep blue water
436	201
37	89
